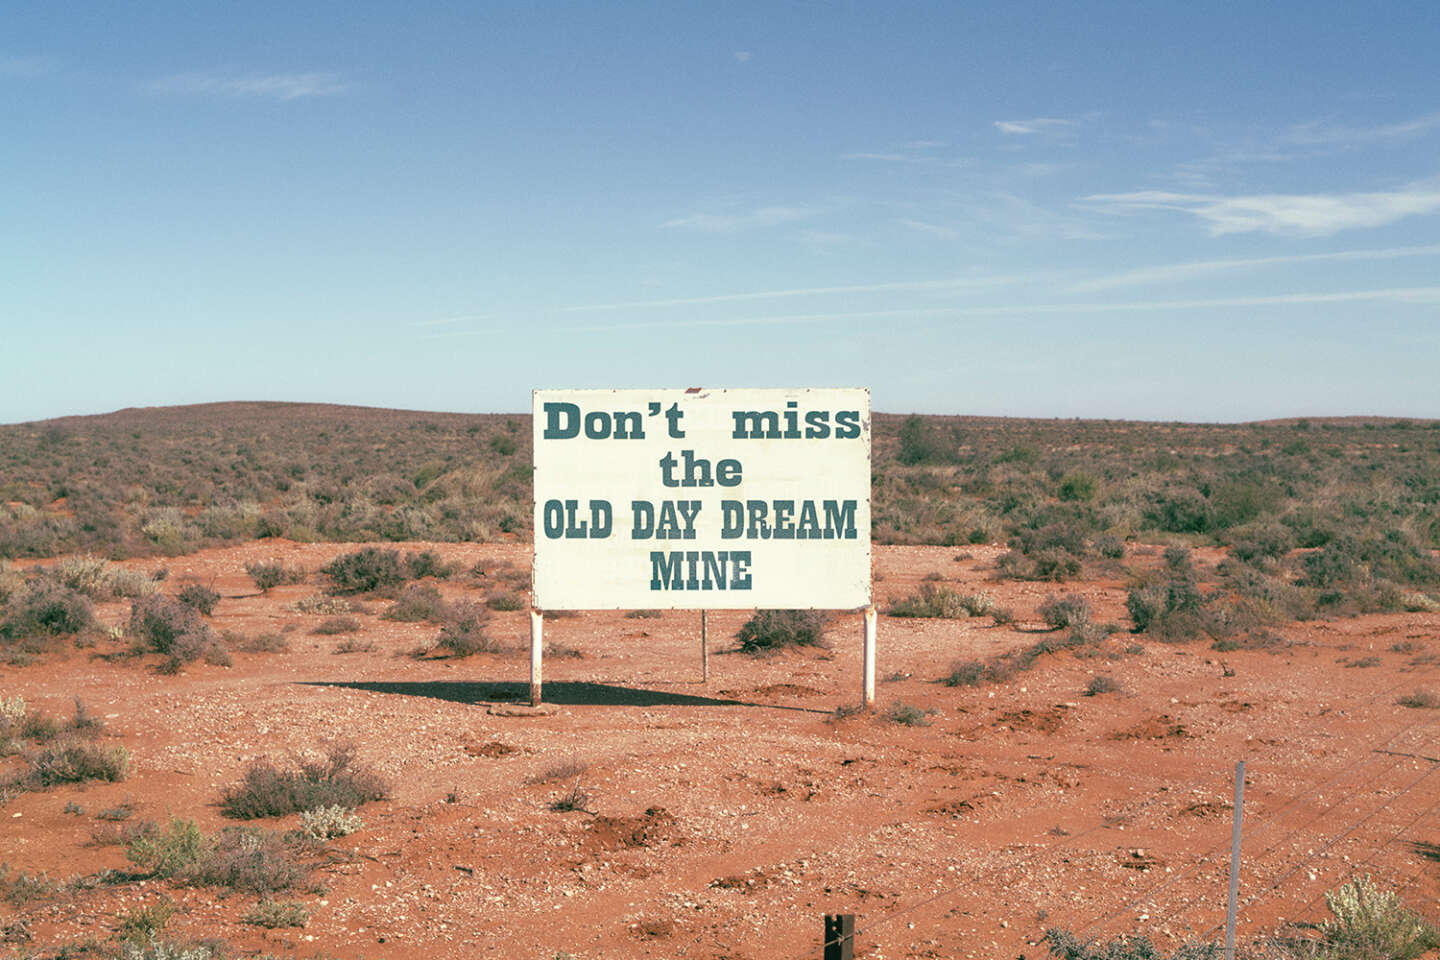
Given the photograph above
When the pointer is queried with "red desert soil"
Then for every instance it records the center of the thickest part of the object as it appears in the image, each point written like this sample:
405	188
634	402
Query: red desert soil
726	818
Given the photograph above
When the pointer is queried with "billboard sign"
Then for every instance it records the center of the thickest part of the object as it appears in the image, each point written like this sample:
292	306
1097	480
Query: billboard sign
702	499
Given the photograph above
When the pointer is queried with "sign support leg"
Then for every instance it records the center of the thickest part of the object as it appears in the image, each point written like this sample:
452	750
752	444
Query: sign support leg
869	668
537	631
704	651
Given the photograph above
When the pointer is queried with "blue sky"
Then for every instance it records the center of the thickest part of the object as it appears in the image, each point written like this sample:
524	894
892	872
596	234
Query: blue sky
1142	210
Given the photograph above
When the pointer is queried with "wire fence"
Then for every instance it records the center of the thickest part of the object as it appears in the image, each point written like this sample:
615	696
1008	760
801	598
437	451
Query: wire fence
1379	755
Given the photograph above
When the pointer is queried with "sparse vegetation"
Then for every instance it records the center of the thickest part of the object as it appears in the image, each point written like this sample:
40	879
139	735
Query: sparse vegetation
932	602
965	673
1066	610
178	631
1365	923
1421	700
370	570
273	573
1102	684
274	914
464	632
237	858
267	642
418	602
773	630
508	601
571	800
327	823
268	790
200	597
331	626
908	715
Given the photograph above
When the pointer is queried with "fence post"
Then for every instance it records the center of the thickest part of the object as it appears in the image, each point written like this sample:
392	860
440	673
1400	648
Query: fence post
839	936
1234	861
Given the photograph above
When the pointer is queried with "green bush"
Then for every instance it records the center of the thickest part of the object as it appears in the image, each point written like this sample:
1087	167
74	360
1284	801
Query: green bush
274	573
237	858
1064	945
173	851
427	563
1368	923
1077	486
365	571
921	442
772	630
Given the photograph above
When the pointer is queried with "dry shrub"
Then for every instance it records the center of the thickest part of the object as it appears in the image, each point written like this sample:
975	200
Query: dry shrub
267	790
418	602
464	632
274	573
772	630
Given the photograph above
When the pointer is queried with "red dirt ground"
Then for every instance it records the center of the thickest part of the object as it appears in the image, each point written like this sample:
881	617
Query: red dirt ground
726	818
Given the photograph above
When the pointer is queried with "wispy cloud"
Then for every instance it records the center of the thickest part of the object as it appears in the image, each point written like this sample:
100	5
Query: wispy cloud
1168	273
735	222
1324	132
917	152
27	67
932	229
1305	215
274	86
1033	126
1407	295
956	283
744	56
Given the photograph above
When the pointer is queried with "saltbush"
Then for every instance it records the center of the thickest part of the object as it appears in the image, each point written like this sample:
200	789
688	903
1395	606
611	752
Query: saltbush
274	573
200	597
43	607
419	602
464	633
1066	610
365	571
327	823
267	790
771	630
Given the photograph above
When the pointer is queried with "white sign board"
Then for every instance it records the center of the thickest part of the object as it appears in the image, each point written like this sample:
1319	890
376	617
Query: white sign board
702	499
